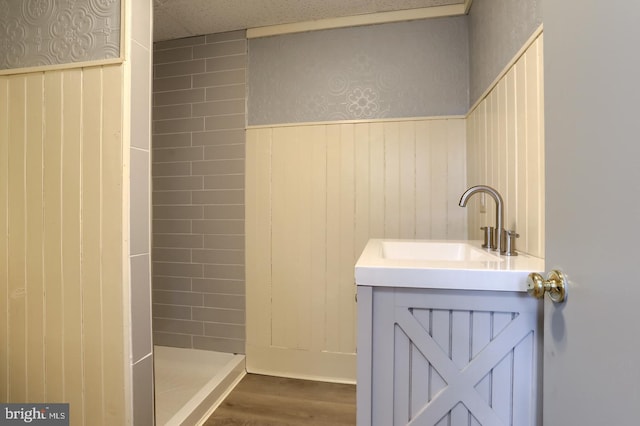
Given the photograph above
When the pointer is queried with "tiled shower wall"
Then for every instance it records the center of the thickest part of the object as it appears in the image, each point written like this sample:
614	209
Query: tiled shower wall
198	192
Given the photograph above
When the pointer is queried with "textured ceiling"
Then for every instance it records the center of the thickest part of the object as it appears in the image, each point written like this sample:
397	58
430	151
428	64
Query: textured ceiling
184	18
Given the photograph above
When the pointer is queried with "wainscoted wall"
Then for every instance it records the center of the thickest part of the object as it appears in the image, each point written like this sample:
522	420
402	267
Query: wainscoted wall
314	195
198	192
51	32
505	149
397	70
497	31
74	228
62	244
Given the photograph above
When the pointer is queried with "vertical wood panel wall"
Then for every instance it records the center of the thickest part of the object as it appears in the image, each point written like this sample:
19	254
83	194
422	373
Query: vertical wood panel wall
62	242
505	149
314	195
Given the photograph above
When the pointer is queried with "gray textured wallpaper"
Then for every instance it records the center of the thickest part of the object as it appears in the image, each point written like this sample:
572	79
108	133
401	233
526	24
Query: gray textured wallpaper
409	69
497	30
50	32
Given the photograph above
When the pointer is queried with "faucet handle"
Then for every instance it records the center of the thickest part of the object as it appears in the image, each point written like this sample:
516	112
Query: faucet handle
510	248
488	236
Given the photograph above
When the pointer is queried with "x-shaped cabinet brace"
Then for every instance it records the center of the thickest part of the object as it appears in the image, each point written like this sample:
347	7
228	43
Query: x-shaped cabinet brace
461	382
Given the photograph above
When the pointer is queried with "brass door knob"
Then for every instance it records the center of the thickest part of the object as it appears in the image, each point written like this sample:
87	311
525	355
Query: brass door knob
555	285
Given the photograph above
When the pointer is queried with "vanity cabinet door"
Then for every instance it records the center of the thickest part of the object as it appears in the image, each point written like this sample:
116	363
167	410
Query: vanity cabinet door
448	357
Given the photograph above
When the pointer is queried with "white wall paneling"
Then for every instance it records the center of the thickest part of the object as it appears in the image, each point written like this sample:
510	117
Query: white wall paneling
314	195
62	242
505	149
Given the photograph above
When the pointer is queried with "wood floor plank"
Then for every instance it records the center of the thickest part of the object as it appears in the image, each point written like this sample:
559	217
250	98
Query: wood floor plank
271	401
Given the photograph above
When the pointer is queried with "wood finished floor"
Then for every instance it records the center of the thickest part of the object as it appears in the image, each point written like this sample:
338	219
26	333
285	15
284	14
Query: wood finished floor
277	401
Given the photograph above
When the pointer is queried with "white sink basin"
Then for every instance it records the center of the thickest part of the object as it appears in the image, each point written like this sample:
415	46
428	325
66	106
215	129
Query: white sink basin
436	251
442	264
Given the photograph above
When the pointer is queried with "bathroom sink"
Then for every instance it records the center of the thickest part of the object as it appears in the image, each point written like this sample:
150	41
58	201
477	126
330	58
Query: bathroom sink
449	251
442	264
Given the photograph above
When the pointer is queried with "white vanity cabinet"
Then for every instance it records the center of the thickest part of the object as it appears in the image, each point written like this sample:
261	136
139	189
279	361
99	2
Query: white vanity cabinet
447	356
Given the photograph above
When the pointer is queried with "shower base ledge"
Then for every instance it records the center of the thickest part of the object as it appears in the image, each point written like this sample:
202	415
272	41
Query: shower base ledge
179	381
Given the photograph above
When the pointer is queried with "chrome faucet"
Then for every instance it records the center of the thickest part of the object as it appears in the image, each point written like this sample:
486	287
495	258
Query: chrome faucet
498	243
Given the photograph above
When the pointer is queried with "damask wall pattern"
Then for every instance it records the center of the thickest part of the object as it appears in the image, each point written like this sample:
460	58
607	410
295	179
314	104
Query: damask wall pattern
497	30
397	70
52	32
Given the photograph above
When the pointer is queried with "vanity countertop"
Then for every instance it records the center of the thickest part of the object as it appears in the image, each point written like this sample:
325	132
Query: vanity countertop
442	264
